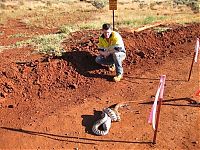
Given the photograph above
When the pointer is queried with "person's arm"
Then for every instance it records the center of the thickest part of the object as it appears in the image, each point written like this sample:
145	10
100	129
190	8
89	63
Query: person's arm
101	45
118	44
102	50
114	48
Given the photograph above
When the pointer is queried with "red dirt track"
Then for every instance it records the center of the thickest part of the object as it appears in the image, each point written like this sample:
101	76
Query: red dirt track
52	102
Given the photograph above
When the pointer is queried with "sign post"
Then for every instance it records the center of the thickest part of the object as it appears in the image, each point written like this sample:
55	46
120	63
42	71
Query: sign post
113	7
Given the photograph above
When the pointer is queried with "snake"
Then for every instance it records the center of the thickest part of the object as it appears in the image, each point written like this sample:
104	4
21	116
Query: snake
105	122
108	115
113	113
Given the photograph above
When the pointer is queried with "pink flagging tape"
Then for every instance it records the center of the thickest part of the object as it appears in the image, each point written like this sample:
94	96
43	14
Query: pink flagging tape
159	94
152	116
196	50
162	81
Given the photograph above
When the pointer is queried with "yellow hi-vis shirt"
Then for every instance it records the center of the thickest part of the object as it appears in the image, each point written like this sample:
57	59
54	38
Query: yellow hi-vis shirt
115	40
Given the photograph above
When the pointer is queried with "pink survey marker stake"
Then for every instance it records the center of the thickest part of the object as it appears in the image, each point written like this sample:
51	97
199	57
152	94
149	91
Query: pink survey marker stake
195	57
159	95
155	112
151	119
196	50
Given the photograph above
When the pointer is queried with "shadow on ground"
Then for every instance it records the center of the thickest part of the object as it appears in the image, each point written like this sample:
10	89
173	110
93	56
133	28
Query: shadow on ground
73	138
89	120
191	102
84	62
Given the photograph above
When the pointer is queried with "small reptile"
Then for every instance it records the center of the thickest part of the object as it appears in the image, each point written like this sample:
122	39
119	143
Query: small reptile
105	122
108	115
113	113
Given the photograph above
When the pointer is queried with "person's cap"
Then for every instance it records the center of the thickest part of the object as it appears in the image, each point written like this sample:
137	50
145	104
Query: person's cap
106	26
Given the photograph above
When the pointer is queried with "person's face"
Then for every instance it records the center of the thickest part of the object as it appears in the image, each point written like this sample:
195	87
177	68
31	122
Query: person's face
107	33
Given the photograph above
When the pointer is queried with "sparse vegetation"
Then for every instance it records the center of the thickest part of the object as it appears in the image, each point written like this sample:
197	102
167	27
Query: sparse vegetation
90	25
82	26
67	29
18	35
193	4
149	19
2	6
47	44
2	48
161	29
1	33
99	4
141	21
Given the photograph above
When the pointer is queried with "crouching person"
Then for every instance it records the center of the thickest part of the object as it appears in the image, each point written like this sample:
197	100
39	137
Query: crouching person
112	51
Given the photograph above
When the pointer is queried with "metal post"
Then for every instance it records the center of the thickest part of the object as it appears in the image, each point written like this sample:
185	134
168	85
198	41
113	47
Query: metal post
113	19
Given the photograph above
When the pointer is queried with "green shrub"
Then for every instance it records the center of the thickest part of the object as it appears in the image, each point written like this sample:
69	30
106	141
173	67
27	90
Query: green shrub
67	29
99	4
161	29
47	44
18	35
149	19
193	4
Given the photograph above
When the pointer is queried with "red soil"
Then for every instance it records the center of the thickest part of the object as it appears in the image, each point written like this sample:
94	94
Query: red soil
52	102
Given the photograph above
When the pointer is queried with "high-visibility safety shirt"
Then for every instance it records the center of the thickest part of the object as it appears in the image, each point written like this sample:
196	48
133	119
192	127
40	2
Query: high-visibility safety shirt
115	40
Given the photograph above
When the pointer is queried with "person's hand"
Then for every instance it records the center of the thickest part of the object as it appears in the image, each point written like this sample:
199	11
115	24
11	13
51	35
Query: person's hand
110	48
104	53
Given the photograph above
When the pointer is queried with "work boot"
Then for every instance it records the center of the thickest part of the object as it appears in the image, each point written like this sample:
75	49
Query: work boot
111	68
117	78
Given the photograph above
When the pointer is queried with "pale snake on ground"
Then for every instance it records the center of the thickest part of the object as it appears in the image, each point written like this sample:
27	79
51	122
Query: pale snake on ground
108	115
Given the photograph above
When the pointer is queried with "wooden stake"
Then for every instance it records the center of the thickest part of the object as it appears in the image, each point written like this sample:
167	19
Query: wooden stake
191	66
147	27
